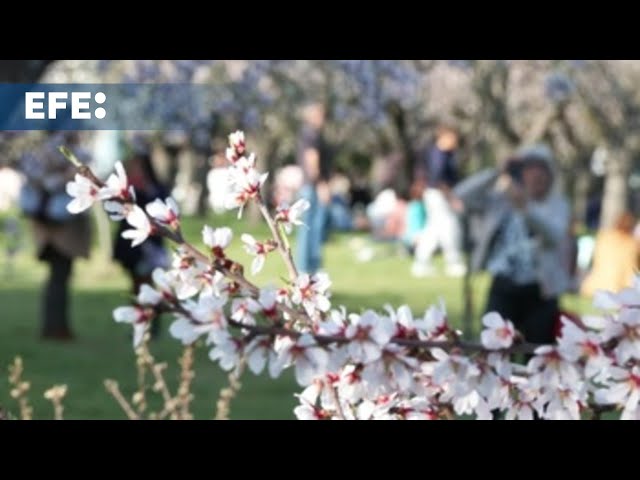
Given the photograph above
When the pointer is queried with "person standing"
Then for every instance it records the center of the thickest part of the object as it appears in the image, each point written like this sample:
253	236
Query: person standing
525	223
59	236
314	158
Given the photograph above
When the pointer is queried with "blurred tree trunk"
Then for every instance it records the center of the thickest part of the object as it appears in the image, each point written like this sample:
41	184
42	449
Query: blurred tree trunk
406	171
616	189
579	192
22	71
201	170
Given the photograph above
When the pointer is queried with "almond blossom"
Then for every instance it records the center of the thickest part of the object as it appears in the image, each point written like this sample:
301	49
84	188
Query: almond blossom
138	316
369	333
167	212
258	249
523	406
206	317
624	390
141	226
311	291
369	364
259	351
217	239
245	186
227	350
498	334
290	216
237	142
117	210
117	186
434	325
576	344
84	193
309	359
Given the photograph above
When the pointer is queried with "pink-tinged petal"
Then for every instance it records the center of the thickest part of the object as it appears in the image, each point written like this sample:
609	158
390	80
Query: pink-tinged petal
300	206
323	304
157	209
115	210
304	372
257	360
605	300
223	236
136	236
183	330
488	340
311	393
365	410
79	204
372	351
148	296
248	239
73	188
614	395
172	204
629	297
257	264
305	412
263	178
276	365
122	174
208	236
139	330
318	356
306	340
186	290
303	280
439	354
632	402
526	413
492	320
126	314
482	410
405	316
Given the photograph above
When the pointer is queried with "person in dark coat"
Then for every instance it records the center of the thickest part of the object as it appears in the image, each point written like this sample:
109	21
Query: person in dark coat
139	262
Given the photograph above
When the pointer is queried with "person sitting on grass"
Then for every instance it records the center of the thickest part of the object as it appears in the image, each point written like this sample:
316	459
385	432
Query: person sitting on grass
615	258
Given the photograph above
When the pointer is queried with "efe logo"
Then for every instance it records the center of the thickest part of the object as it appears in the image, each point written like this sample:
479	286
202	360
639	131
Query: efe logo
80	105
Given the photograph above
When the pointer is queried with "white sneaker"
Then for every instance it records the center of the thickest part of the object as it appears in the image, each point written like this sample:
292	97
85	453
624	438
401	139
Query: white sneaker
456	270
419	270
365	255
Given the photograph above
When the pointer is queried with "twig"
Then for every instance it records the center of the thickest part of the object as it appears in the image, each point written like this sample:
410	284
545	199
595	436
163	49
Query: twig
139	398
160	385
20	389
55	394
336	399
282	246
187	375
113	388
227	394
448	345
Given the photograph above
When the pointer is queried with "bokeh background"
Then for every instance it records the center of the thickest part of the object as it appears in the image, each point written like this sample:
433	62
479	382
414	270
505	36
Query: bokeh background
380	113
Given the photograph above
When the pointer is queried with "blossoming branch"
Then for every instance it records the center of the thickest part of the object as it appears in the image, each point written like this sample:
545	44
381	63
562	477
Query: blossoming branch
359	365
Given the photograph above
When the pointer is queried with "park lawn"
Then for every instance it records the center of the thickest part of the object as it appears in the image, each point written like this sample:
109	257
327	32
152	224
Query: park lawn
103	348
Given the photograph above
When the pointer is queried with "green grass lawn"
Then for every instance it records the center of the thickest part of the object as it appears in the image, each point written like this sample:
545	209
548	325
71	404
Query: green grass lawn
103	348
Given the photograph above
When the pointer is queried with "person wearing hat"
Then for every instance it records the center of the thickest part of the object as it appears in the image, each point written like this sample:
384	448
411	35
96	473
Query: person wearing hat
524	227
